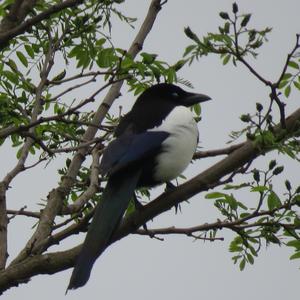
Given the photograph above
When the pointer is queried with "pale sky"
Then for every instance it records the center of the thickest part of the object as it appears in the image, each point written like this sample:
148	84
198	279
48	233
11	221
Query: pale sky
179	268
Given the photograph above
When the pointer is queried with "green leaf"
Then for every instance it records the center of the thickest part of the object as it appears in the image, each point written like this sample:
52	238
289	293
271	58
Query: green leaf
226	59
283	83
241	205
214	195
250	258
287	91
260	188
148	58
295	255
29	50
106	58
231	201
13	65
189	49
286	76
293	64
242	264
22	58
197	109
294	243
297	85
19	152
100	42
273	201
11	76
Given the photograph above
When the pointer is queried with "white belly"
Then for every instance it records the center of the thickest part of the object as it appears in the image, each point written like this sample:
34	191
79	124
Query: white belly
180	147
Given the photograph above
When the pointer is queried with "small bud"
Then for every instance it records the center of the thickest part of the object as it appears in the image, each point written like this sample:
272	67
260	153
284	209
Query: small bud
278	170
272	164
256	175
269	119
259	107
190	34
288	185
250	136
224	15
245	118
179	65
252	35
235	8
68	162
227	27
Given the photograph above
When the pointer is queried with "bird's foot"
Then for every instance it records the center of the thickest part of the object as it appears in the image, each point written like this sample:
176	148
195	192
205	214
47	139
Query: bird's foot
139	207
137	204
170	186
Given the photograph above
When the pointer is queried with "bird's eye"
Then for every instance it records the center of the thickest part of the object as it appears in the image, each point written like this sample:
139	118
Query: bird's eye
175	95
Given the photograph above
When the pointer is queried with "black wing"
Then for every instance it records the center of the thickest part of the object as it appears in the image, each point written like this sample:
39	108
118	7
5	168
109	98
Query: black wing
129	150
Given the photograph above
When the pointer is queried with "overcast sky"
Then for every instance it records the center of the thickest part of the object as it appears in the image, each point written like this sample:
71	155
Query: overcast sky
179	268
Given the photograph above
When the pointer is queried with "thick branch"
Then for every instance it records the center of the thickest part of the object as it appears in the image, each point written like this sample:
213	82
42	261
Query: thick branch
3	226
40	264
205	180
17	13
6	36
55	262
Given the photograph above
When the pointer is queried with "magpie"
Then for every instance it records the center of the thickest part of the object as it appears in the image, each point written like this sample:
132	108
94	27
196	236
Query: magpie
153	144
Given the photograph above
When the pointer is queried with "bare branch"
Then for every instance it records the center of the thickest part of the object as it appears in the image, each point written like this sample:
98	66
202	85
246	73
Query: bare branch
210	153
93	187
289	56
3	226
23	212
190	232
40	264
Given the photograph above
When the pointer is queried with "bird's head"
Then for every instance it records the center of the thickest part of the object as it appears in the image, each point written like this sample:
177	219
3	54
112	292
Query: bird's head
174	94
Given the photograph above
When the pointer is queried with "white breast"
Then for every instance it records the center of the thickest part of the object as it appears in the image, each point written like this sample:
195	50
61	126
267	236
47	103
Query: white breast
179	147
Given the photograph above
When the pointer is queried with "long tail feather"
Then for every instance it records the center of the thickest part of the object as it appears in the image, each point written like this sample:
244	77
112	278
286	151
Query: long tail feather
116	196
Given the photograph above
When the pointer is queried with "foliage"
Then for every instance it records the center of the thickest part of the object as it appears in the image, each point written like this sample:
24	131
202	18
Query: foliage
274	219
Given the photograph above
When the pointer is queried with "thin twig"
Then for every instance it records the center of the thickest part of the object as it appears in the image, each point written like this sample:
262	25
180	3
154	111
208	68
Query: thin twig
23	212
216	152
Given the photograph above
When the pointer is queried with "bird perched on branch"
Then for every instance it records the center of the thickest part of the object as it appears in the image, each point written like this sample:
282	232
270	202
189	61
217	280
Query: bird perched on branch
153	144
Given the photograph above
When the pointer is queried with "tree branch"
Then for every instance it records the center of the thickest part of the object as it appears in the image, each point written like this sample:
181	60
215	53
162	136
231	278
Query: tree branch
18	11
56	197
7	35
205	180
217	152
59	261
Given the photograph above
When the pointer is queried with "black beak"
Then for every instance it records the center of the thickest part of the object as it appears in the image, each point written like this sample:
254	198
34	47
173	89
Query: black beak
193	98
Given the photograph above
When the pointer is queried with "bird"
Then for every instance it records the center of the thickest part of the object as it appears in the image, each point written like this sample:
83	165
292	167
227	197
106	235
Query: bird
153	144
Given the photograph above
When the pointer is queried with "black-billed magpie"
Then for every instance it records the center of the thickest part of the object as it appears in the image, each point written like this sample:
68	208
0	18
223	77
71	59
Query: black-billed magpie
153	144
